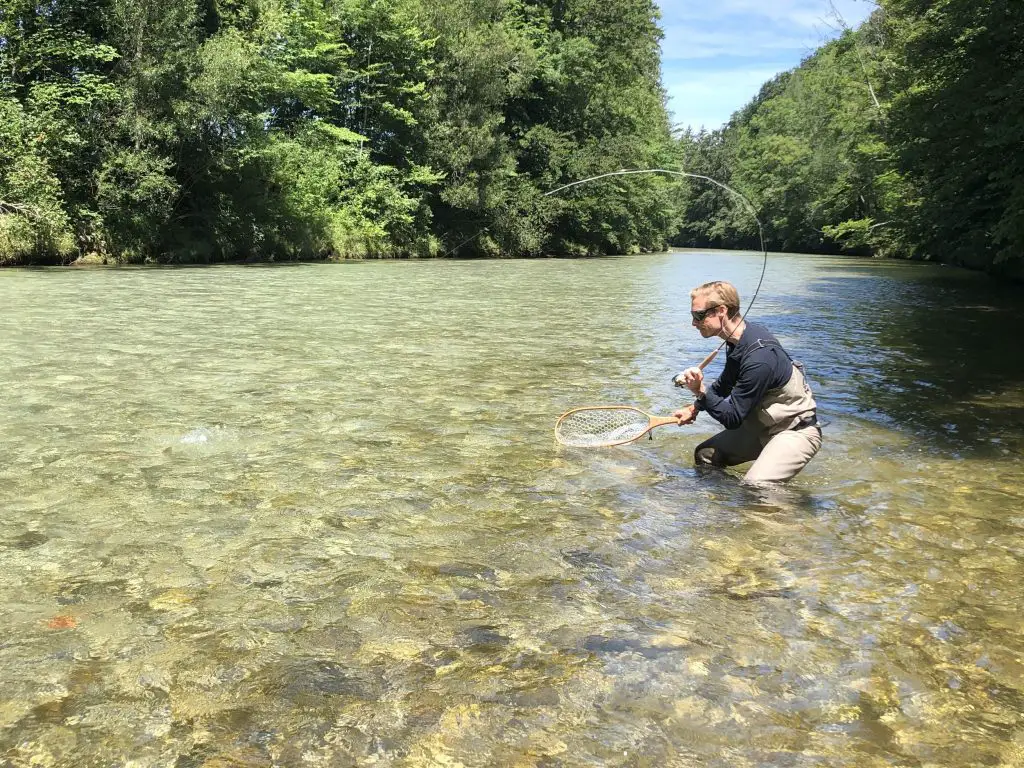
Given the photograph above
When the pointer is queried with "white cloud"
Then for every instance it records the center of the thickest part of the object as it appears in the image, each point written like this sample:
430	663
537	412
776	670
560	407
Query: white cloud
684	42
798	14
710	100
716	55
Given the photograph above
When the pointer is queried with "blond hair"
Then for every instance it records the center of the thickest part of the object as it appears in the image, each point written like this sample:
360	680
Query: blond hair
719	292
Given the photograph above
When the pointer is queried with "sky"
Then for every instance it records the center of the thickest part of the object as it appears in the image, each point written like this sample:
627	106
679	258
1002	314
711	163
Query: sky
717	53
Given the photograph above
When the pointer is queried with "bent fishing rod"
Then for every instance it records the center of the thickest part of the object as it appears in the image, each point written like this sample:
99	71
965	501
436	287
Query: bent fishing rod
686	174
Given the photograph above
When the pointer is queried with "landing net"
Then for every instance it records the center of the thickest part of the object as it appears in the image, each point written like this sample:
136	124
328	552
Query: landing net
594	427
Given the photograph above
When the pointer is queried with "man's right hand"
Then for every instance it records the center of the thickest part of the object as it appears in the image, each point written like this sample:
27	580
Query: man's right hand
692	379
686	415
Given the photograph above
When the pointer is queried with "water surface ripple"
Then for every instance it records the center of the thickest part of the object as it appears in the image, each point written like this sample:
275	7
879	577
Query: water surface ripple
315	515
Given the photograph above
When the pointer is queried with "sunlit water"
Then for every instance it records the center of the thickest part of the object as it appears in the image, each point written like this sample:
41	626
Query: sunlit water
314	515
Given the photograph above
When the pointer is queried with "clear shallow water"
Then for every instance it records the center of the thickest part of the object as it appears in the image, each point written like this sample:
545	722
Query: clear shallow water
314	515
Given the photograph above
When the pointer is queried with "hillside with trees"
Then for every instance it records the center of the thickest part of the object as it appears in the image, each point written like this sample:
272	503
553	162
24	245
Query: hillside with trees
184	131
196	131
902	138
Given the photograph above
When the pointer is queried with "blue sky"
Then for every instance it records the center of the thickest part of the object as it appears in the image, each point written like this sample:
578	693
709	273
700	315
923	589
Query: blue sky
717	53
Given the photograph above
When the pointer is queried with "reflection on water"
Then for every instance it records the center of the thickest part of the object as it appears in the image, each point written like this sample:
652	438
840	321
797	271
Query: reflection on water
314	515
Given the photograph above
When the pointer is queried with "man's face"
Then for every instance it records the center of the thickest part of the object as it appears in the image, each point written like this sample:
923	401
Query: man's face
707	315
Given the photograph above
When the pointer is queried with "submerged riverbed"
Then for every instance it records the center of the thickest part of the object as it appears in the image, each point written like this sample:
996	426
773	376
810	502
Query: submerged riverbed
315	515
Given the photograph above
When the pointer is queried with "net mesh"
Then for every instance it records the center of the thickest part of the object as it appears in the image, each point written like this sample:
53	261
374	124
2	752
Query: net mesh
592	427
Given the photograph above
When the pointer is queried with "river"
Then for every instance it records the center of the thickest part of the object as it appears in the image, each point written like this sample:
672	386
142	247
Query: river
315	515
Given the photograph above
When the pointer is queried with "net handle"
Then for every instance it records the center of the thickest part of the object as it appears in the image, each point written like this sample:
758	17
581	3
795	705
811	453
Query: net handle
661	421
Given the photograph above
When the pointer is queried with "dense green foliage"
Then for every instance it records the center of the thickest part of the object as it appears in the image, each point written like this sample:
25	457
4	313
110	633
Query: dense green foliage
204	130
904	137
958	127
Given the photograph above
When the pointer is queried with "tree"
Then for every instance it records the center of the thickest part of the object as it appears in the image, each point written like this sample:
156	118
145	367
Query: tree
957	120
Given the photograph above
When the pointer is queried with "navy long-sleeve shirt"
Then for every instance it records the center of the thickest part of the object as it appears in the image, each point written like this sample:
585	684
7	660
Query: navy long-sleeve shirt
755	364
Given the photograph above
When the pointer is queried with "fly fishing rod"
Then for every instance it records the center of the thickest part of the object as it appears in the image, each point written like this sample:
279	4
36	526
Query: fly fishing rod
594	426
685	174
598	426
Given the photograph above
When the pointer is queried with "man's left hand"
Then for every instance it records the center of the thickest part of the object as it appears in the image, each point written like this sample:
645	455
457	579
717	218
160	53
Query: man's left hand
686	415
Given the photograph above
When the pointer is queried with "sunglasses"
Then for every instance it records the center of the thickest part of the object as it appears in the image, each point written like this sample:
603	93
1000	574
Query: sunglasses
700	314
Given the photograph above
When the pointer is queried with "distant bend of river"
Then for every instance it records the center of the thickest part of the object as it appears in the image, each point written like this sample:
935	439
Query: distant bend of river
315	515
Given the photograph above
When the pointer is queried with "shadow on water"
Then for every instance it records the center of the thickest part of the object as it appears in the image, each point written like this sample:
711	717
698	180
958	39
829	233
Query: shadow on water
254	518
729	491
929	351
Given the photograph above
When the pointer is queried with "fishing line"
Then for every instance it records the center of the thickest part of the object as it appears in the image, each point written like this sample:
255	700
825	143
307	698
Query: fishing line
726	187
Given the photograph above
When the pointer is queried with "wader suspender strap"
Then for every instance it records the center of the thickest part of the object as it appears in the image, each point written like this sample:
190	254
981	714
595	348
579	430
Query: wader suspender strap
761	344
809	421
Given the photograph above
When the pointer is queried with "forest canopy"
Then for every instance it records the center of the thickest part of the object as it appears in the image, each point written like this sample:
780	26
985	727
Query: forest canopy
903	138
188	131
195	131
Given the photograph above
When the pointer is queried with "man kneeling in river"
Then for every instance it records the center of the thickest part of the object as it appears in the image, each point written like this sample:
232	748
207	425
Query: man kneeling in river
761	397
